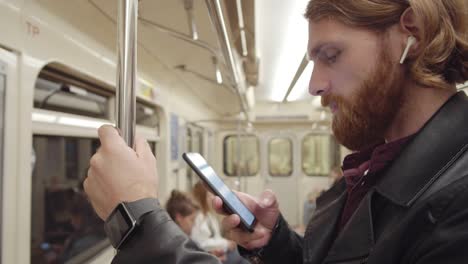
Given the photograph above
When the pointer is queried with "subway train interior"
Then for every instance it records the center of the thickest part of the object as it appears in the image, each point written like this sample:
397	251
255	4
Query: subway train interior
225	78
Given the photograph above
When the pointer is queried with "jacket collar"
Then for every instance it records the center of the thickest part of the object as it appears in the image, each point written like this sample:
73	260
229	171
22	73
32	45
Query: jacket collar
426	156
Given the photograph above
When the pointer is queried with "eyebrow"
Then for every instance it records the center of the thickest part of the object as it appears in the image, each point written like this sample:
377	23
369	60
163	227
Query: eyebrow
311	54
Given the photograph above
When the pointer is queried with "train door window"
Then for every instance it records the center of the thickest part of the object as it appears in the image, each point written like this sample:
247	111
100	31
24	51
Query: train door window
64	225
319	154
280	157
62	92
241	155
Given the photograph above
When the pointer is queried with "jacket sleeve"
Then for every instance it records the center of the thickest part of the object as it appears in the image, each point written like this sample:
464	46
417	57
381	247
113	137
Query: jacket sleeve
285	246
159	240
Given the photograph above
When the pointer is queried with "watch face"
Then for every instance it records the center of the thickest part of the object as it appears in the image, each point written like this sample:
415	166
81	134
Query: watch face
119	225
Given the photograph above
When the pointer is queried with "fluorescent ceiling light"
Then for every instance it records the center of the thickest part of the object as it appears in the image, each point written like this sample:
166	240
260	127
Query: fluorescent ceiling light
292	49
219	77
244	43
240	15
301	88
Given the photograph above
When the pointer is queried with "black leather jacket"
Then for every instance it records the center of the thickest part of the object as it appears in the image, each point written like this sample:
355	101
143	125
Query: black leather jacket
416	213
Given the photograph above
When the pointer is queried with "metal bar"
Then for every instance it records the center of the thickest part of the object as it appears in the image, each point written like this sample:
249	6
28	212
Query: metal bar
181	36
299	72
240	15
217	19
126	68
188	5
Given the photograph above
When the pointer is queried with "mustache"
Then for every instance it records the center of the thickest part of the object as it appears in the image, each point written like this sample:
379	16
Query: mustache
327	99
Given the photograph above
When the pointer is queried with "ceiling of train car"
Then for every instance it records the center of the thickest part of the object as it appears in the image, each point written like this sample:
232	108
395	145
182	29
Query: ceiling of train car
159	54
281	45
276	35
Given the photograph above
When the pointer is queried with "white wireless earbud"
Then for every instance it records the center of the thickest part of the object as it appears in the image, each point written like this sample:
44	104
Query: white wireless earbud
411	41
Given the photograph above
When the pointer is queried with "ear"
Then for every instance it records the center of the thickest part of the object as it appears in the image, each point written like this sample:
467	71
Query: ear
410	25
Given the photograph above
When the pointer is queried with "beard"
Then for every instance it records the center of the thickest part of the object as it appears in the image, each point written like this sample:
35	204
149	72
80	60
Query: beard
363	119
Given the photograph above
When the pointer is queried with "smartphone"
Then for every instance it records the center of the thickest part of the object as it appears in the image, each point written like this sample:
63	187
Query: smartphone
231	202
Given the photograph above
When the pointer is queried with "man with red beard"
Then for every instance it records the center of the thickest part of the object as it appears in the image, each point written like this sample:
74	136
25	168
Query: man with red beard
388	70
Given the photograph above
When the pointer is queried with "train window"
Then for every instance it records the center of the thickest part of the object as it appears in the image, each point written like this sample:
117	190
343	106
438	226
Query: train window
58	91
319	154
241	155
280	157
146	115
64	226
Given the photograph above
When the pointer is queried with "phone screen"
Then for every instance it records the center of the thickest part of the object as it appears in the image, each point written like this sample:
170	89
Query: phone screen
213	180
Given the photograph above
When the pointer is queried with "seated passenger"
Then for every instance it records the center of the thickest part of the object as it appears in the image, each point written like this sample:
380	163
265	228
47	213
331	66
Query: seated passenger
182	210
206	231
87	229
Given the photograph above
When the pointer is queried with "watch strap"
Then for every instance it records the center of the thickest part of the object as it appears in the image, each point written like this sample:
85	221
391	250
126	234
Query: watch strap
141	207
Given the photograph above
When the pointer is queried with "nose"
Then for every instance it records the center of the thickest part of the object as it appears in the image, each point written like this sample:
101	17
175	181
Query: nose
318	84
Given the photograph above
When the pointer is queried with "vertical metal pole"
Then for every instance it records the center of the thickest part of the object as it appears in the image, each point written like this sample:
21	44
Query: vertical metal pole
126	68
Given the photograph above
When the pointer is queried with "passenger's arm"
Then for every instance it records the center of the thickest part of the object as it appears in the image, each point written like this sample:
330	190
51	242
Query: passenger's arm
118	174
159	240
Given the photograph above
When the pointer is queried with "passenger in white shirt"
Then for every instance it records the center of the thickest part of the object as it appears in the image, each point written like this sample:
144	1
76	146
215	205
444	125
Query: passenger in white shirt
206	231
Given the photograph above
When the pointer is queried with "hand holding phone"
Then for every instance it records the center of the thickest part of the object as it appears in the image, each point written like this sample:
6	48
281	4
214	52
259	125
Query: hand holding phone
266	211
230	201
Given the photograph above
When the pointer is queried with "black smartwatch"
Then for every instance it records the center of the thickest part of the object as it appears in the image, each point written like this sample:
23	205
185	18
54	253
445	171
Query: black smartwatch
125	218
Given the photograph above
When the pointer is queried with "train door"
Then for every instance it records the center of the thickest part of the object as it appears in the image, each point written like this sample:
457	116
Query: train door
2	128
279	152
8	154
